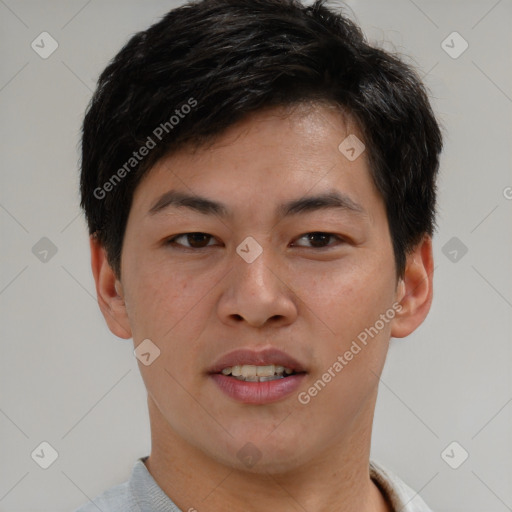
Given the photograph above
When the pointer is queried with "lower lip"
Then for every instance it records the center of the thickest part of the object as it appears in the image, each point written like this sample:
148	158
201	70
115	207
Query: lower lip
258	392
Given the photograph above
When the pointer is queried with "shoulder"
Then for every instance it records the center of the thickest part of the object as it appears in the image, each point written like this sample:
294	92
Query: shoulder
401	496
115	499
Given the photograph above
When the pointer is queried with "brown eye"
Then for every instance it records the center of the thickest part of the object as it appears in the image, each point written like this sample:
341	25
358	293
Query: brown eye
194	240
319	239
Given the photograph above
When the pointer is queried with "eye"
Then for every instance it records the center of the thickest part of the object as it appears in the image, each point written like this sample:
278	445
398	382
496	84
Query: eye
198	240
195	240
319	239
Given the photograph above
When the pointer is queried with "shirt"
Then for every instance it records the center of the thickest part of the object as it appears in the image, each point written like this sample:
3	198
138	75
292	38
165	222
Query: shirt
141	493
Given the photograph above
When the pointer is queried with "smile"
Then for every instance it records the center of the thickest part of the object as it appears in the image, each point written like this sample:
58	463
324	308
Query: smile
253	373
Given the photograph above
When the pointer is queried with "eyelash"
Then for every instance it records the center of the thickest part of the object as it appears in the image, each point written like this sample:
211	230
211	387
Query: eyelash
171	241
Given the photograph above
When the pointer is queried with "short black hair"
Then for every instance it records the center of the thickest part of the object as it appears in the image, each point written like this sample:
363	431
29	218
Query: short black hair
209	63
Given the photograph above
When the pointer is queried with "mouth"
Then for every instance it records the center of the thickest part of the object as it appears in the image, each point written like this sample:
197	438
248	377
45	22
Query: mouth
253	373
254	377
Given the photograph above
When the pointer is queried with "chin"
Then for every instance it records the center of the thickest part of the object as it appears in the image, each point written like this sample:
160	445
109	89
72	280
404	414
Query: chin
271	463
259	454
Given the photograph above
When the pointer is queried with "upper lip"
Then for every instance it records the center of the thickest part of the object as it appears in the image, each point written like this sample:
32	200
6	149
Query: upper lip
263	357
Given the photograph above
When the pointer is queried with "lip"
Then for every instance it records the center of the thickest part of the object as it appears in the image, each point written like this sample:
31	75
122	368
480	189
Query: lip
257	392
263	357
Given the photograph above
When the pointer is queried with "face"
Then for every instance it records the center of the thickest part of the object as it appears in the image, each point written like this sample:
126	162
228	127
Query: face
260	266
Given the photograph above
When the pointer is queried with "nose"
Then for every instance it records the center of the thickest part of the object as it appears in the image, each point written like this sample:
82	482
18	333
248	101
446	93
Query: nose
258	292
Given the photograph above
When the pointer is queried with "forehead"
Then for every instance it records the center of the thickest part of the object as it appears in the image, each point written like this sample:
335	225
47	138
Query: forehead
269	156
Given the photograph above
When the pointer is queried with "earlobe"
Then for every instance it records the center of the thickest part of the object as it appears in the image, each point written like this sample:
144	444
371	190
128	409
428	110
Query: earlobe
109	292
414	291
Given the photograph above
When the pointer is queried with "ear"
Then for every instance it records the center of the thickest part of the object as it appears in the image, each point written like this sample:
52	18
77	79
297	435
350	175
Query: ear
109	292
414	291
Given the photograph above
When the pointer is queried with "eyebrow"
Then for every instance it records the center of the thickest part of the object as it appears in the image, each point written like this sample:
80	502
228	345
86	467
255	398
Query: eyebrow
328	200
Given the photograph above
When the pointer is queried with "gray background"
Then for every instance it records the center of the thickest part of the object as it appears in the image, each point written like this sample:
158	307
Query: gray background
66	380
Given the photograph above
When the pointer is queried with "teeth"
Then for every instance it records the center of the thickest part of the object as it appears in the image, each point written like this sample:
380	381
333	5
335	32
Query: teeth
255	378
248	370
273	377
253	373
266	371
250	378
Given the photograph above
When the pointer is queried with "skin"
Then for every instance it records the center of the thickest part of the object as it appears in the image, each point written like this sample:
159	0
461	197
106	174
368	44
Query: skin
308	301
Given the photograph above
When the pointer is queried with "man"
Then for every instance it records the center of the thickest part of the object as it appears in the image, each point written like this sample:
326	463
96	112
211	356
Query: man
259	186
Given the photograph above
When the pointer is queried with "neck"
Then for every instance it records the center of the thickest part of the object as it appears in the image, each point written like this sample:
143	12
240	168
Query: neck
337	480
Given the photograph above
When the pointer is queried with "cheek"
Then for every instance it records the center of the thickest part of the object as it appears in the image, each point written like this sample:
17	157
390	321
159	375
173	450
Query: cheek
348	303
167	311
161	301
346	297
